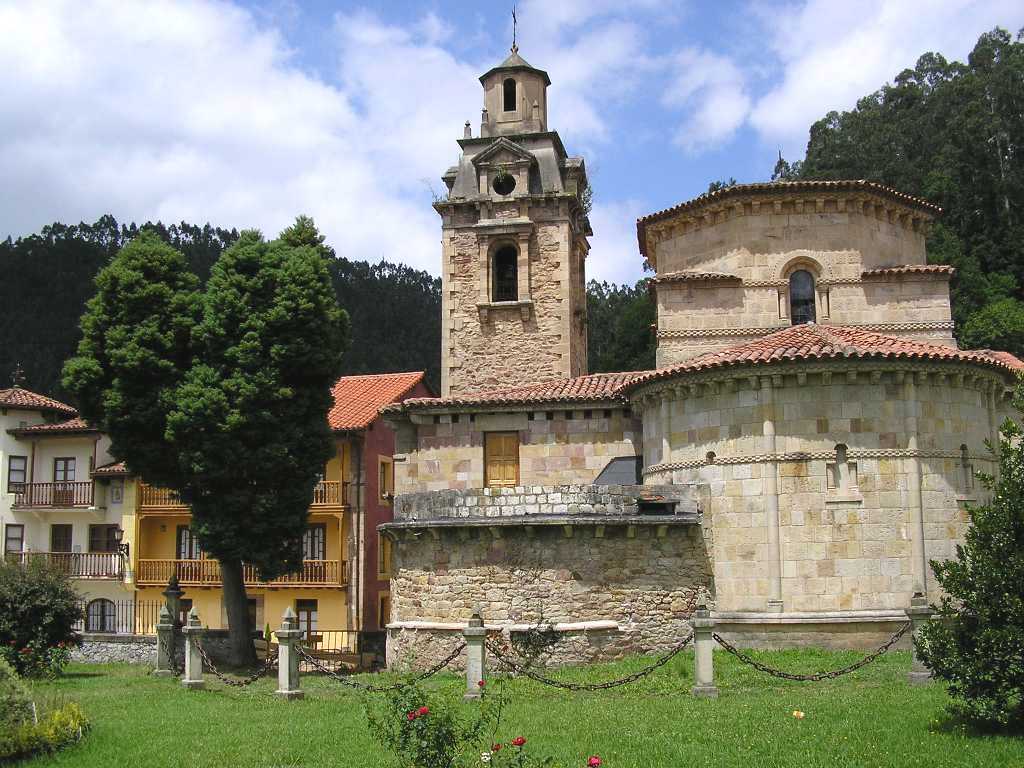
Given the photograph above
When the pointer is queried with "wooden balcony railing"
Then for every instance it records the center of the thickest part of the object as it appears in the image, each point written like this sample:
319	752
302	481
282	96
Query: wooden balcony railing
77	565
326	493
59	495
332	573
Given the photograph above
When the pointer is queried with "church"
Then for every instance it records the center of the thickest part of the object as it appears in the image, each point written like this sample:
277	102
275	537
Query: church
806	445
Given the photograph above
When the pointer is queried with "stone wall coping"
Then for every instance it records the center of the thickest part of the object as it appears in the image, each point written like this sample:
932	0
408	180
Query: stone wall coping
572	626
809	617
109	637
541	520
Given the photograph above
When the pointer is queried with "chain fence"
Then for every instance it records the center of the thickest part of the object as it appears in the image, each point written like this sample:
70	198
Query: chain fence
178	669
369	688
817	676
269	664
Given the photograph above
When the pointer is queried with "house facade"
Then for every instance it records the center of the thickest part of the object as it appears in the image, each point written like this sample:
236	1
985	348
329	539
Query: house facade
806	446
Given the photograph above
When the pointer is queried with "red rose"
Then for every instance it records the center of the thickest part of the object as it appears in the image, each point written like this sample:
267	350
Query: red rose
594	761
495	747
481	683
410	715
422	711
518	741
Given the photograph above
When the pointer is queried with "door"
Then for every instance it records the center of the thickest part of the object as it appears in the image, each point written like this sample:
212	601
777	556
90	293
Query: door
314	547
501	459
307	612
187	552
60	546
63	481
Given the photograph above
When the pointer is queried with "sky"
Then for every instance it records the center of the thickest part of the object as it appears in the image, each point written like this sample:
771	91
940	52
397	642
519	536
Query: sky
246	114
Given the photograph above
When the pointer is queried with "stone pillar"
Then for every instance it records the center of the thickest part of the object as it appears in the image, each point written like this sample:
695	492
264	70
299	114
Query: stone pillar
165	632
703	654
919	613
666	428
914	495
770	482
172	599
475	635
288	637
193	661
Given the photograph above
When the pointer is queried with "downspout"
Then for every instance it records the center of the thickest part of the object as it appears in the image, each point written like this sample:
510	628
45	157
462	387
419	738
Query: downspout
357	570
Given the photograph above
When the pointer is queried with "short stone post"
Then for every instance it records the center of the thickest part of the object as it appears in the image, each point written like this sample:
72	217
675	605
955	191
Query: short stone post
164	644
193	661
703	653
919	613
288	637
475	635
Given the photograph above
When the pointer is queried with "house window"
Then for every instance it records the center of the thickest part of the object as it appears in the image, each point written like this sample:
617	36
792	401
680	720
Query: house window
188	545
14	539
100	616
505	274
64	470
383	556
383	609
314	542
60	537
102	538
385	479
501	459
508	93
801	297
17	472
307	612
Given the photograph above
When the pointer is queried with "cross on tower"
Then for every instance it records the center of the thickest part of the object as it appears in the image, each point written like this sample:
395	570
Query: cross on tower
515	48
18	376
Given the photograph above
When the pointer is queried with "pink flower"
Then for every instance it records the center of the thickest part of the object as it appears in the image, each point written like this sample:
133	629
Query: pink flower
481	683
422	711
594	761
410	716
518	741
495	747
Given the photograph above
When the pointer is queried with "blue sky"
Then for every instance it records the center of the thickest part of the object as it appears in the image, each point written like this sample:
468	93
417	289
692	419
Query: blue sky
248	113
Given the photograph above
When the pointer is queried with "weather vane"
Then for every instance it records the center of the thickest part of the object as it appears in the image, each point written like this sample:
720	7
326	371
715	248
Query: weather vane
515	48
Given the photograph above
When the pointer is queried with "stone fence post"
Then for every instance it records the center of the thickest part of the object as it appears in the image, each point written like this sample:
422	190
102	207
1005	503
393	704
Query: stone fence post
703	653
193	661
164	644
475	634
919	613
288	637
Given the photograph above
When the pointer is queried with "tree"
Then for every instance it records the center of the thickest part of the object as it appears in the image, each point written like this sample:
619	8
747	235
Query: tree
237	415
977	645
619	327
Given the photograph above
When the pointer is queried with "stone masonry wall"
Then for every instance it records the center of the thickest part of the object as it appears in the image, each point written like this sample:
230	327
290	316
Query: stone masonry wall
113	649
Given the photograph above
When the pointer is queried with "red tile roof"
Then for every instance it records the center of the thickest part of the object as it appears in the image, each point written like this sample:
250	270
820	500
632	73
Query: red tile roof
830	342
938	270
593	388
113	468
16	397
71	426
358	399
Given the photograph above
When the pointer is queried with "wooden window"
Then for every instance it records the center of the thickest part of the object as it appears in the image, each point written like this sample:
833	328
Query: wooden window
100	616
64	470
508	95
314	542
60	537
501	459
383	609
385	479
14	539
101	538
383	556
308	616
187	545
505	274
17	472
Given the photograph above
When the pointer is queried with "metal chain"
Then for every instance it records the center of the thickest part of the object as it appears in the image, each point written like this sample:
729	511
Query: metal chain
379	688
269	663
176	668
515	666
817	676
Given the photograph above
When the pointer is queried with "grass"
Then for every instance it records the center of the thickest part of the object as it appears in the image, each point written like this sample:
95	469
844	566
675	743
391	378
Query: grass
870	718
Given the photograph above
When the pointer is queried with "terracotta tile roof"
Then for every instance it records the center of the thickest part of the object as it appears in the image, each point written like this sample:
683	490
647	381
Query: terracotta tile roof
829	342
16	397
767	188
1008	358
77	425
910	269
113	468
696	277
593	388
358	399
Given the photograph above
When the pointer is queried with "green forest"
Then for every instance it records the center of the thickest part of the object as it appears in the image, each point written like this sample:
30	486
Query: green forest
951	132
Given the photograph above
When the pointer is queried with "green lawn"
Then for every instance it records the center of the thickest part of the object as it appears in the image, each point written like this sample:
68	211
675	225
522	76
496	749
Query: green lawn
870	718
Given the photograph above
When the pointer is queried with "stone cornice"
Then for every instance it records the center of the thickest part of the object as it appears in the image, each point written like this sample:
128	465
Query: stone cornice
754	332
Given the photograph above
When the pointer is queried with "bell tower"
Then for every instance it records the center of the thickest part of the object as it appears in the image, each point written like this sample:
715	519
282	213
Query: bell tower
514	232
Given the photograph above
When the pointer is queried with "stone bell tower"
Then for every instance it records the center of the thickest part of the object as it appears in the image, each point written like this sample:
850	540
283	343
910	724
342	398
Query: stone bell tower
514	240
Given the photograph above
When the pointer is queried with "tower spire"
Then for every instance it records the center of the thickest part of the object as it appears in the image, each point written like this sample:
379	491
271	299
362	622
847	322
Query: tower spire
515	22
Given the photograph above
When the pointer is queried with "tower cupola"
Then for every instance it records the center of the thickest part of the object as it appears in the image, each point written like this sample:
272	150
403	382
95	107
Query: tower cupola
515	98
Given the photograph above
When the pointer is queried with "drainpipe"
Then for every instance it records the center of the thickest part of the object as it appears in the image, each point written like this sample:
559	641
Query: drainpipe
914	490
357	532
771	499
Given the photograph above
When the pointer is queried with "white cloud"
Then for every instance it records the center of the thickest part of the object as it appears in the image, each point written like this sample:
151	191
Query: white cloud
614	254
714	90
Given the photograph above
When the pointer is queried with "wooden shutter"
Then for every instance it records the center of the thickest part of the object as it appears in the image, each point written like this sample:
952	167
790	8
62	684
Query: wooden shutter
501	458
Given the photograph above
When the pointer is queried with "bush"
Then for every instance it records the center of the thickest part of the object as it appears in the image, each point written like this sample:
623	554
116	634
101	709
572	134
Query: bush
15	702
56	729
977	646
38	610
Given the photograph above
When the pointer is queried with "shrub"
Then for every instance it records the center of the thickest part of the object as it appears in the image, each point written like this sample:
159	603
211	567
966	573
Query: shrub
57	728
15	702
38	610
977	647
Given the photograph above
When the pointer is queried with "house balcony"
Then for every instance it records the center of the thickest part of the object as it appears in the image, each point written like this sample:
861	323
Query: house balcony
77	565
60	495
206	573
328	496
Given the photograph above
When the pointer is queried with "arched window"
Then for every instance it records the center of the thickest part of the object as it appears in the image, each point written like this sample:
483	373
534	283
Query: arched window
505	274
508	90
100	616
801	297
